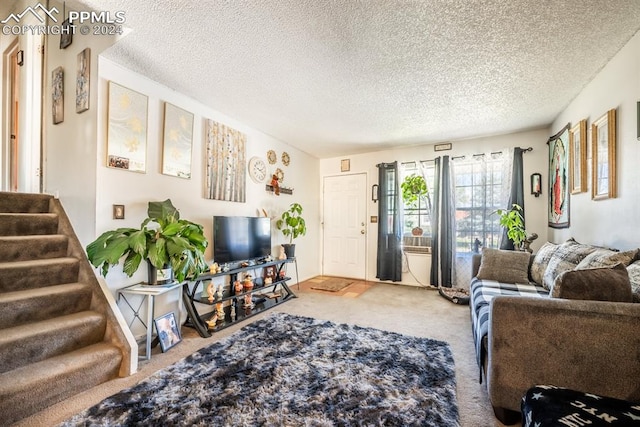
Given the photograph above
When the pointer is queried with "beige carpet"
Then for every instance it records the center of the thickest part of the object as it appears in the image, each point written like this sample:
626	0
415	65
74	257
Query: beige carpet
333	284
403	309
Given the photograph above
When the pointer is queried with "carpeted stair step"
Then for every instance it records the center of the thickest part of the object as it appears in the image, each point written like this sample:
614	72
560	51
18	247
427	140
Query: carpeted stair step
31	343
27	203
29	389
33	305
20	275
23	248
20	224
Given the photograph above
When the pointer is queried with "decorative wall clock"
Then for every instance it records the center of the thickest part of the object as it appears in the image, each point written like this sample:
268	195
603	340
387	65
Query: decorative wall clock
285	158
257	169
271	156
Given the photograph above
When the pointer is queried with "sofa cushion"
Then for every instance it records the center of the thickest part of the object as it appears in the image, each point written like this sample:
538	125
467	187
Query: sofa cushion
597	284
567	256
541	261
607	258
504	266
634	278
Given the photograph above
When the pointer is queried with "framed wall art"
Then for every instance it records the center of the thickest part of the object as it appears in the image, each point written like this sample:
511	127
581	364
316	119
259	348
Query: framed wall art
578	157
558	208
226	162
83	80
168	331
177	141
603	149
127	129
66	34
57	95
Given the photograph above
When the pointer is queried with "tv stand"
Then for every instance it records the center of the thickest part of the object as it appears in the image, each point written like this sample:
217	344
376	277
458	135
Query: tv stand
263	296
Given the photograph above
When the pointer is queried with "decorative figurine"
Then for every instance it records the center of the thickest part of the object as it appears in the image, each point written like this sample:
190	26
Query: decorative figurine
248	282
282	255
211	323
268	280
210	290
275	184
237	287
282	273
214	268
233	311
219	308
248	301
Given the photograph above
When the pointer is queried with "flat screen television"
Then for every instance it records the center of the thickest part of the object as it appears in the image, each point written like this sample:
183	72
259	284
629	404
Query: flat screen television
240	238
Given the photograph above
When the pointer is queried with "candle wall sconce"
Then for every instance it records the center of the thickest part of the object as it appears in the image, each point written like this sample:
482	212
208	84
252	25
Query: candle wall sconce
536	184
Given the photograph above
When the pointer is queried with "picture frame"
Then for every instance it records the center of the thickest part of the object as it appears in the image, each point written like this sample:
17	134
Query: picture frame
126	129
603	157
558	186
118	211
168	331
66	36
578	157
442	147
177	141
57	95
345	165
83	80
269	272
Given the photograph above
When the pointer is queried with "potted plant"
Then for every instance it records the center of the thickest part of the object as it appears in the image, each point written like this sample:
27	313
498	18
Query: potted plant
292	225
513	221
414	190
172	247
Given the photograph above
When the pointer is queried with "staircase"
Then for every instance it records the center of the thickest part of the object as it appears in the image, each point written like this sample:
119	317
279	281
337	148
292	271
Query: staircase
58	335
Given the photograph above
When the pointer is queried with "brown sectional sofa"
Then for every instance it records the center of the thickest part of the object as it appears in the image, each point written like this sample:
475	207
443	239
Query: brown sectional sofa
565	317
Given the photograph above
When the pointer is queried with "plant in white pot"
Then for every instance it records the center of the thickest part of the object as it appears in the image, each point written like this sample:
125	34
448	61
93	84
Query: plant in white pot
172	247
292	225
513	221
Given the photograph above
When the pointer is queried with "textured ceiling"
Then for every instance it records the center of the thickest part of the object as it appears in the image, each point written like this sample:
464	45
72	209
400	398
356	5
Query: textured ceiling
338	77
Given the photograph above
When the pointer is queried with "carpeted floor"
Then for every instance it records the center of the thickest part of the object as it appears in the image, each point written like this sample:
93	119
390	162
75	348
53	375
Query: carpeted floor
403	309
295	371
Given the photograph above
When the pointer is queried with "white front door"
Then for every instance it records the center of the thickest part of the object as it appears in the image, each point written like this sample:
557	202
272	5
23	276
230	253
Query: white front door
345	226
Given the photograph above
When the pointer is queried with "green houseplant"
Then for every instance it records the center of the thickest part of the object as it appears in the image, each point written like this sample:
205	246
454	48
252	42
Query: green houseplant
292	225
163	240
414	191
513	221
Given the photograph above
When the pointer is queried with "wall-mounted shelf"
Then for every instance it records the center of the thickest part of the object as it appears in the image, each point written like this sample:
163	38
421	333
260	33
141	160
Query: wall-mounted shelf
283	190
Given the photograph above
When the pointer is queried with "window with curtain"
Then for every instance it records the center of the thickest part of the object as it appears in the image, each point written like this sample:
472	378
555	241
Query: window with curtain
417	214
479	192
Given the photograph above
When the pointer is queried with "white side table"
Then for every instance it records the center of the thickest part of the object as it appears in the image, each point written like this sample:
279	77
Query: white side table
148	293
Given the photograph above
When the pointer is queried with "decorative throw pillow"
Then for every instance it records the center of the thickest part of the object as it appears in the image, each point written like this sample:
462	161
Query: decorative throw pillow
504	266
597	284
634	278
607	258
541	260
565	258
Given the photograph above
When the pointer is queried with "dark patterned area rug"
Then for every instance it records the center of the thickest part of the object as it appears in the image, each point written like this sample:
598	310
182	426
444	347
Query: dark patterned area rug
294	371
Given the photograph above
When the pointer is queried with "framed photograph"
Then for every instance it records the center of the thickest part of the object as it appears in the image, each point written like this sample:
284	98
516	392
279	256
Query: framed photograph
578	157
558	208
126	129
118	211
57	95
270	272
83	80
177	141
66	36
442	147
603	149
168	331
345	165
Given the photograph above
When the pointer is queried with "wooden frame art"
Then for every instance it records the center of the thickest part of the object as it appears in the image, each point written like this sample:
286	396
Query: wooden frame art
558	210
578	157
603	149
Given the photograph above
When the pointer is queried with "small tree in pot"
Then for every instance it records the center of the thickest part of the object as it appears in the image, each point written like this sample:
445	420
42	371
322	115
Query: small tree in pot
513	221
414	194
173	247
292	225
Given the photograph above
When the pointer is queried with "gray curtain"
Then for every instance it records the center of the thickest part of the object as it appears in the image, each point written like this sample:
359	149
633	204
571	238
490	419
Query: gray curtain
389	261
516	194
442	226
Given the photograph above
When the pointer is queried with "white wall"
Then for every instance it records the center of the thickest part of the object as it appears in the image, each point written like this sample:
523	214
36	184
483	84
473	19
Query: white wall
135	190
611	222
535	161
